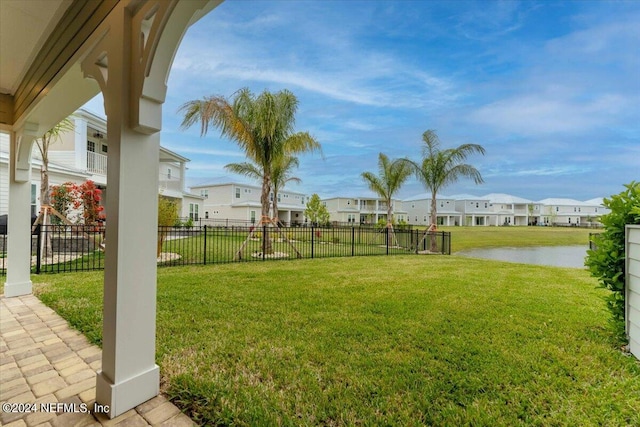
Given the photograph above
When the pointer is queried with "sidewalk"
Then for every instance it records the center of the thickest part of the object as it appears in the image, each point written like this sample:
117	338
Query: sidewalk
44	361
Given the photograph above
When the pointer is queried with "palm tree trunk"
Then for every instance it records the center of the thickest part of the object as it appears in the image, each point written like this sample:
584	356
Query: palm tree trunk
434	219
391	233
275	208
267	246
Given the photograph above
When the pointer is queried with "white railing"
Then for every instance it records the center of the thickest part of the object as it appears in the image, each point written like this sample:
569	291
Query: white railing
96	163
171	184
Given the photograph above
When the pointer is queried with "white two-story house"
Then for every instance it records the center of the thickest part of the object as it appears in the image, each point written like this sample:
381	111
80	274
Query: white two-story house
418	210
362	210
81	154
558	211
513	210
234	203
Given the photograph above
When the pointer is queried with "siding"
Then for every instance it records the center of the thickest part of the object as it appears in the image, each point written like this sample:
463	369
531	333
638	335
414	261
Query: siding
633	288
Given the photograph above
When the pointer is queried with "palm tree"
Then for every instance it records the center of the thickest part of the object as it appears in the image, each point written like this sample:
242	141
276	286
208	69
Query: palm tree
391	176
43	144
44	219
280	175
438	168
262	126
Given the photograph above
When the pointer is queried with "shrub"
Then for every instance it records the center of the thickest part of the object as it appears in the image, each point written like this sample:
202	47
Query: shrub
607	261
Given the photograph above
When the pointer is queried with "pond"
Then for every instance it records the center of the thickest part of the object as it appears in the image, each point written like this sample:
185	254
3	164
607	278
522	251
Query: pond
556	256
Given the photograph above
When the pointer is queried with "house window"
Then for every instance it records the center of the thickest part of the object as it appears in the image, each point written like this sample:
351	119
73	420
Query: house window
168	173
441	204
204	193
91	146
485	206
557	208
477	205
253	217
237	193
279	198
206	214
104	148
193	211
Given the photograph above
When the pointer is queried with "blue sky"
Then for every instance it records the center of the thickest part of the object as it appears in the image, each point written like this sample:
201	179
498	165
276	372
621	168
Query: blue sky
550	89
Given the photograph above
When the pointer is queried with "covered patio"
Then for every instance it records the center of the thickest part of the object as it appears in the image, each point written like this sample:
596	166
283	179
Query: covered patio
57	55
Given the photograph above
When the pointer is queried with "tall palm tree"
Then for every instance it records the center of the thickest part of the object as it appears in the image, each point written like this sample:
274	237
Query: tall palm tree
280	175
441	167
391	176
262	126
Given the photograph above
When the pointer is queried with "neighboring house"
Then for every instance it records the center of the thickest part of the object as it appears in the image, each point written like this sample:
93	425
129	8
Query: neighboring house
513	210
474	210
418	210
234	203
58	174
362	210
81	155
571	212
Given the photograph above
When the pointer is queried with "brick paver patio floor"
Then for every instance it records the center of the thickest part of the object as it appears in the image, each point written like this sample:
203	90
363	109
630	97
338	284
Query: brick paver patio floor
44	361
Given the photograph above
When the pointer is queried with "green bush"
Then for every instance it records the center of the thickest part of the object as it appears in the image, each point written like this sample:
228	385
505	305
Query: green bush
607	261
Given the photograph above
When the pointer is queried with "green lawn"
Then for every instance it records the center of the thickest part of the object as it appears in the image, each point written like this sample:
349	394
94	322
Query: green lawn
402	340
480	237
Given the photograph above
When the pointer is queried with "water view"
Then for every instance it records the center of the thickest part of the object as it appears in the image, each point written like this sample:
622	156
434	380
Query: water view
556	256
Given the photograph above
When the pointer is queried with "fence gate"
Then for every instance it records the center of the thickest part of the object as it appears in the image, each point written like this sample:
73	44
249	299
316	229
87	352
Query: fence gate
632	297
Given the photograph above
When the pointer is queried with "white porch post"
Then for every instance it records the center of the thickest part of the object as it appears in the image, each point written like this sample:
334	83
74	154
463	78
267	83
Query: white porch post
19	225
129	374
131	63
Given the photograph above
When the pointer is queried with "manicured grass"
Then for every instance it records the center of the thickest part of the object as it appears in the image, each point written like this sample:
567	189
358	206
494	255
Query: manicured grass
403	340
486	237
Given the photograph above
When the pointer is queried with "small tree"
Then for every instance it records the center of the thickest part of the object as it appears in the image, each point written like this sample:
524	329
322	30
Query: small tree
90	197
316	212
167	217
43	144
607	261
62	199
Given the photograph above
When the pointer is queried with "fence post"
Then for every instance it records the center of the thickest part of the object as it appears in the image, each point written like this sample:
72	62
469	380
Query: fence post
442	250
205	245
353	238
387	240
312	235
38	251
264	240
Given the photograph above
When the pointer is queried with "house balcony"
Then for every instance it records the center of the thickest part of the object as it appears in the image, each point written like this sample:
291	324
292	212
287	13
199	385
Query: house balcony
170	184
96	163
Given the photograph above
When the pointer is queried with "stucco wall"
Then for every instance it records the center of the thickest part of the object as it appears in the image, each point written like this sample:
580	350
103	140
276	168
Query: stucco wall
633	288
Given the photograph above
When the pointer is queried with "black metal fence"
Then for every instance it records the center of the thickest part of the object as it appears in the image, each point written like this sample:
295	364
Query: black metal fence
80	248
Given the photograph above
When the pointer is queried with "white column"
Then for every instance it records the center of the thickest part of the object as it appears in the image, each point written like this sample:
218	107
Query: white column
129	374
80	143
19	225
